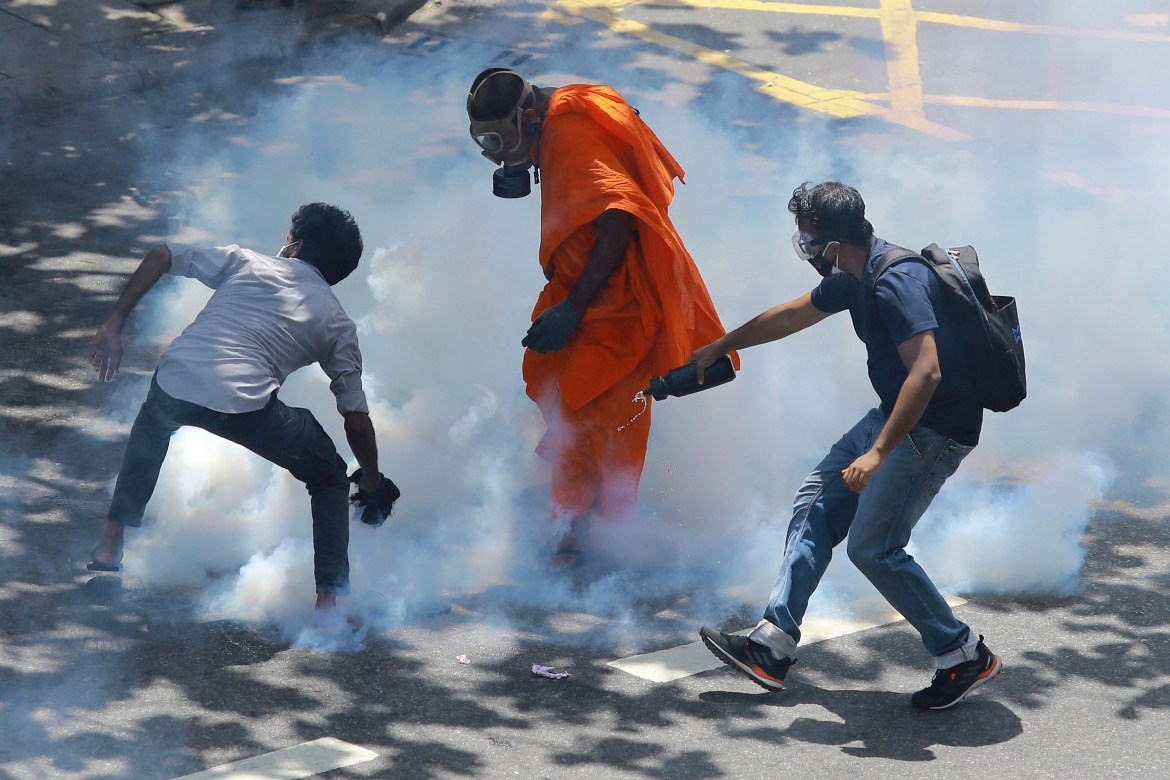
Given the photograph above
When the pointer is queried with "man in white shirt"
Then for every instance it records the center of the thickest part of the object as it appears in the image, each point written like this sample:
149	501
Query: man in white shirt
268	317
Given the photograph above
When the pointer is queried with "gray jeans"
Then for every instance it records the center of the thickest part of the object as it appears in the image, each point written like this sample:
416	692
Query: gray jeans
286	436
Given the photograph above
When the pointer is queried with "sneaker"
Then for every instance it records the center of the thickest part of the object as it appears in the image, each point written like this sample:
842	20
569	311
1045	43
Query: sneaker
751	658
950	686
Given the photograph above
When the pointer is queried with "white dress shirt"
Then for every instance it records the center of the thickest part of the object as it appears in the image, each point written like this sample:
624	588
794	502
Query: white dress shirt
268	317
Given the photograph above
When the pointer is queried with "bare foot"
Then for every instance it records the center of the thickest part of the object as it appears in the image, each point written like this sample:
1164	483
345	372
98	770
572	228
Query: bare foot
107	556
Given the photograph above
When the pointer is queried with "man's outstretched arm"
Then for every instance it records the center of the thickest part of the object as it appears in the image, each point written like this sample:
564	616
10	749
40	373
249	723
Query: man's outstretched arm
774	324
105	351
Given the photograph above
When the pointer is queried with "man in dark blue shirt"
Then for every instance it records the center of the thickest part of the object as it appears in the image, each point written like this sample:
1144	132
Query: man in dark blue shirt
878	480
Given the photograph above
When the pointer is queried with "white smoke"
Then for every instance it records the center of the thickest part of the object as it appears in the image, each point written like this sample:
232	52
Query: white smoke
445	292
1019	539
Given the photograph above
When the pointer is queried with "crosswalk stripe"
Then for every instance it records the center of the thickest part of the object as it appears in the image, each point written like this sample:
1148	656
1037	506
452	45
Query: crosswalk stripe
292	763
675	663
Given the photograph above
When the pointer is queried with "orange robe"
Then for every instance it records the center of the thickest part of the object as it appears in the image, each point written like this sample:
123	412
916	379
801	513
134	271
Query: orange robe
595	154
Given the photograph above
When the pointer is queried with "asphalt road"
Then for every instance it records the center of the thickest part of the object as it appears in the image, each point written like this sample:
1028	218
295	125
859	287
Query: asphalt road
1053	104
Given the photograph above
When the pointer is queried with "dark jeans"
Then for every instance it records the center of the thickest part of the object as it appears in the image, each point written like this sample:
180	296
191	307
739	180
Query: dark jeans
289	437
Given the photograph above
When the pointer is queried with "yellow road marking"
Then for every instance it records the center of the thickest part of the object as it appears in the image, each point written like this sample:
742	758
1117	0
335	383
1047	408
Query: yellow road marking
1148	20
763	5
996	25
899	22
835	102
840	103
933	17
900	33
1120	109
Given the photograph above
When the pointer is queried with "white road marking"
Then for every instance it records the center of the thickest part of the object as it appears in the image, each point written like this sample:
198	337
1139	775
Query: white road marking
292	763
676	663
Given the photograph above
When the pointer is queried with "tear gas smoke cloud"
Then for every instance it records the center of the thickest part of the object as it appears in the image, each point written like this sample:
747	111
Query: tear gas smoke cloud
446	288
1026	540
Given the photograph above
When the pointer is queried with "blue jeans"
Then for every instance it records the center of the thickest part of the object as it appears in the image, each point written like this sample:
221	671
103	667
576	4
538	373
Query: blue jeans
285	435
878	522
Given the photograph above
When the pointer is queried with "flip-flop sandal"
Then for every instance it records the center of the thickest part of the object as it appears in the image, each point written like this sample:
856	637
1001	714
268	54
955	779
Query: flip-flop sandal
96	565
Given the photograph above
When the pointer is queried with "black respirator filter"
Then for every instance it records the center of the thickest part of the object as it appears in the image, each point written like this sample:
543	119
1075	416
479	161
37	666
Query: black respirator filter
512	181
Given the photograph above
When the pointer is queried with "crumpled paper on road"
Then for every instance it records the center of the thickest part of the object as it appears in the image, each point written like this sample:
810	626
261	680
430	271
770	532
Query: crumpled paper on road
547	671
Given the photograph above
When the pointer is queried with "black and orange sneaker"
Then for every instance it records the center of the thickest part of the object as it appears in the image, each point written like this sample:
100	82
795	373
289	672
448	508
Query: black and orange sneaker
950	686
751	658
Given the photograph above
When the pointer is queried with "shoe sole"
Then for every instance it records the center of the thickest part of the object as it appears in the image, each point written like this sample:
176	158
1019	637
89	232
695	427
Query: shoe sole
765	683
979	682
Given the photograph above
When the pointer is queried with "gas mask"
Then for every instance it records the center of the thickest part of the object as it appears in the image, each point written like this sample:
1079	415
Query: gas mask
501	140
804	244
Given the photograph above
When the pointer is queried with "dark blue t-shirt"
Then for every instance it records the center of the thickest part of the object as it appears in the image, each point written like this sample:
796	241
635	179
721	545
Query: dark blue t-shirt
907	297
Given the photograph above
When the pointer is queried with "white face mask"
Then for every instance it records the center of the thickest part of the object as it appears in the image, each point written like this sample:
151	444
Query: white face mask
286	246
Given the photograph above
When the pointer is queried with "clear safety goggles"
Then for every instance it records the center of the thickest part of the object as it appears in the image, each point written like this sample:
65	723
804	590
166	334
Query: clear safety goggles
805	245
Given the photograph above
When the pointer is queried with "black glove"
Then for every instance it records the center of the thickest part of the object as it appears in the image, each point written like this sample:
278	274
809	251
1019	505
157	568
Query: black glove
375	507
552	329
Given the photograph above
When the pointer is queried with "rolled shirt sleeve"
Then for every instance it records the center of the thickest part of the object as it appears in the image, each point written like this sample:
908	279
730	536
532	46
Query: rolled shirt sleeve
209	265
835	293
343	365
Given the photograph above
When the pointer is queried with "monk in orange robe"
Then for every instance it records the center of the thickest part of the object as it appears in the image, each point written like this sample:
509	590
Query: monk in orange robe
624	300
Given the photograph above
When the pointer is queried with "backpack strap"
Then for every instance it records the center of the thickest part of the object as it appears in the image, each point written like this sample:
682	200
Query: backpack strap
890	258
899	255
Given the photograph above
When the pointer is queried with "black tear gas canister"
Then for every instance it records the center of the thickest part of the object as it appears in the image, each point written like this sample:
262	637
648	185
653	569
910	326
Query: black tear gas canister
684	380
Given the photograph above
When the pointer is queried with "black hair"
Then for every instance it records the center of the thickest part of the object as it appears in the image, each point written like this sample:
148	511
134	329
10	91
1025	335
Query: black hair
834	210
498	100
330	240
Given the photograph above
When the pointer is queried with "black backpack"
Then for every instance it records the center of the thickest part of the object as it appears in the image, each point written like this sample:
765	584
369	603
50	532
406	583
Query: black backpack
988	323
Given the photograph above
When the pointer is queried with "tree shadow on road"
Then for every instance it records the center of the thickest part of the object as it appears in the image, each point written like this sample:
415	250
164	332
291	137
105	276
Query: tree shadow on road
884	723
796	41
